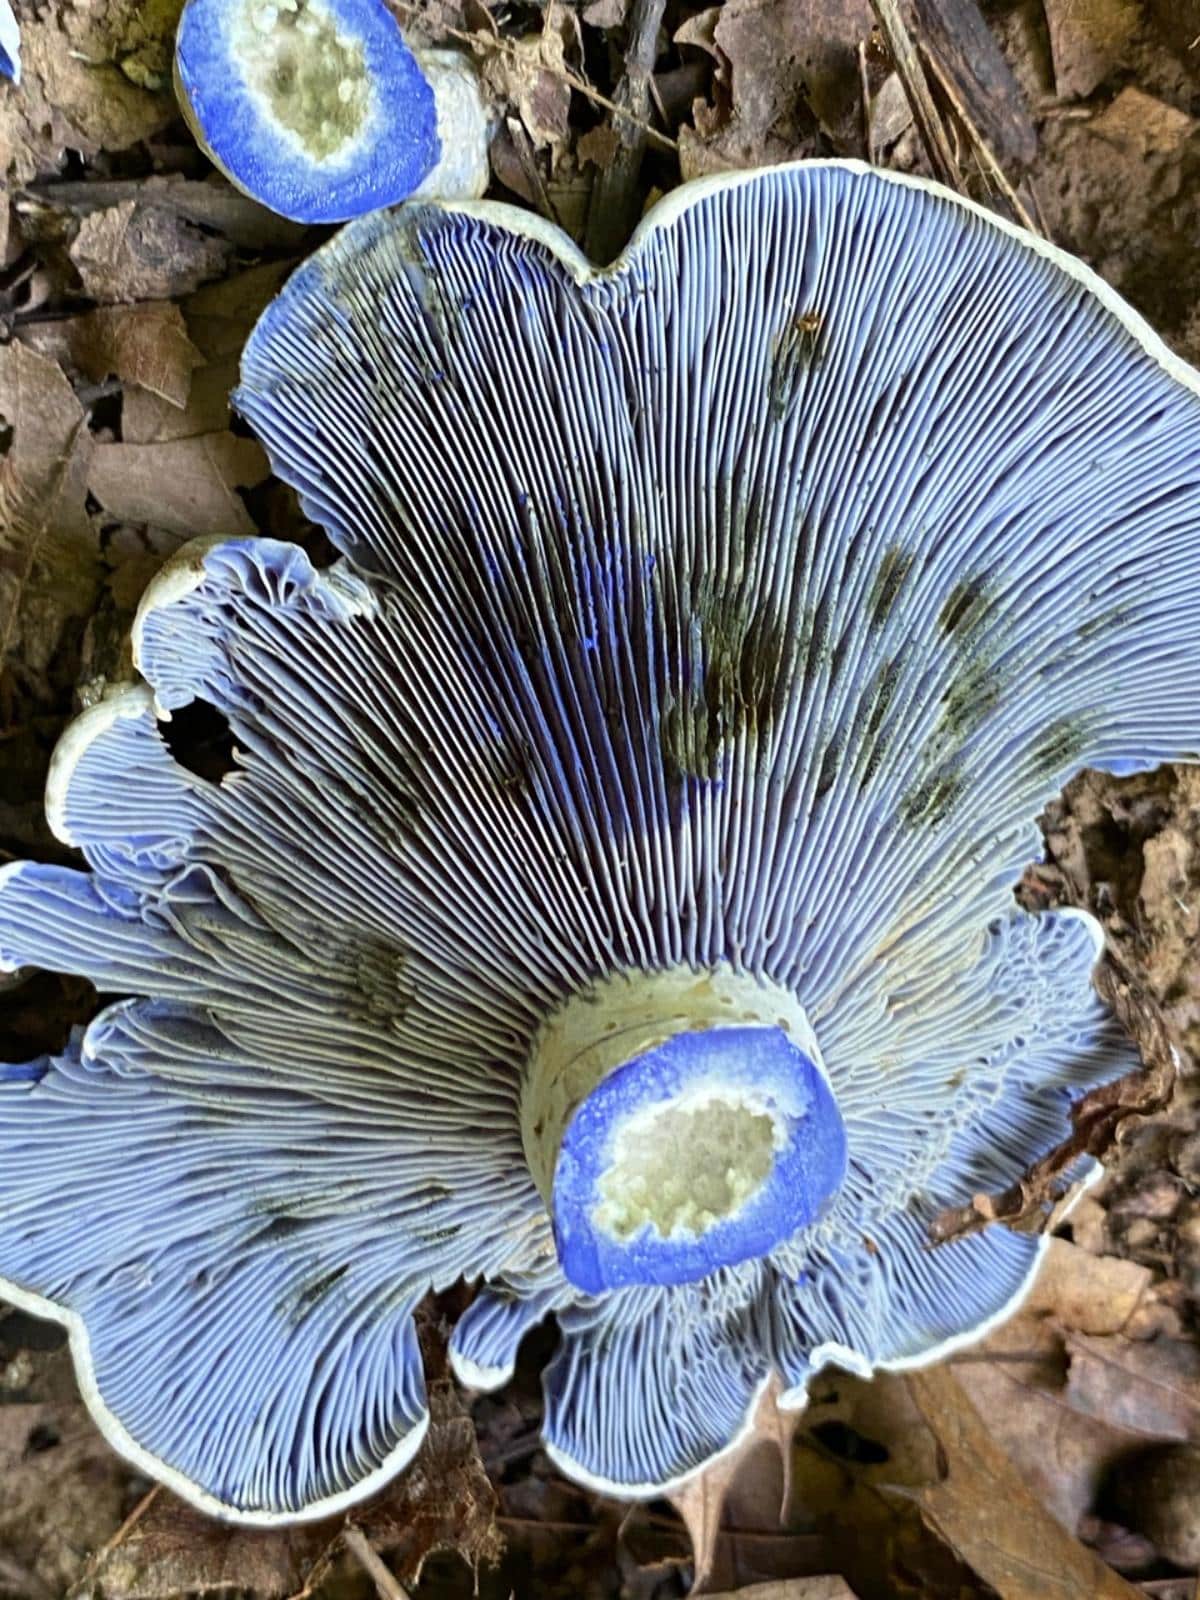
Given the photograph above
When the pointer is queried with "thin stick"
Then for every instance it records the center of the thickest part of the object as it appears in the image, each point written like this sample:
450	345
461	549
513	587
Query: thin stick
505	47
865	85
387	1585
912	76
613	208
983	150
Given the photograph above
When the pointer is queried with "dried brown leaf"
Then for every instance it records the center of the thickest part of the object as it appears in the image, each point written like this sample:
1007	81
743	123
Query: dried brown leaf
62	1493
701	1502
984	1511
72	97
1088	40
134	251
218	317
444	1501
49	561
530	75
174	1549
146	345
1089	1293
186	485
1149	1387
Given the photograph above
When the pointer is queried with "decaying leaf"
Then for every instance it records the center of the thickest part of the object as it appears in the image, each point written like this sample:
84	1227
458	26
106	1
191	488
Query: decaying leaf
984	1511
188	486
174	1550
73	96
146	345
218	319
1091	1294
49	561
1088	39
702	1499
793	67
63	1491
144	252
442	1502
530	74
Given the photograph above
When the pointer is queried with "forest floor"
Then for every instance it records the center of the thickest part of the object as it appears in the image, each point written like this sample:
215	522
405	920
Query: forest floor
129	277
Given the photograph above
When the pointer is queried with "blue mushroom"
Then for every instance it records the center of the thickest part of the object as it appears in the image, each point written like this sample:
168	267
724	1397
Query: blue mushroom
611	899
320	110
10	43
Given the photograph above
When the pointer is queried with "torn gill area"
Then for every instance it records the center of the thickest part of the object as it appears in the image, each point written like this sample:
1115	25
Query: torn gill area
605	892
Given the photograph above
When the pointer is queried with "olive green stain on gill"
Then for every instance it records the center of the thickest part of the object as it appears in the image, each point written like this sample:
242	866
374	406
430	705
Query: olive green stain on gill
736	655
974	690
1059	745
890	579
798	348
966	607
305	1299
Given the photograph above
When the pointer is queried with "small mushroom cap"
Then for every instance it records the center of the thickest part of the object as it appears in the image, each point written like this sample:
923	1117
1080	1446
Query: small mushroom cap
10	43
337	121
739	606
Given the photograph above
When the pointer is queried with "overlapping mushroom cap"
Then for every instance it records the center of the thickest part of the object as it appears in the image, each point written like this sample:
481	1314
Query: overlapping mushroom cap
630	818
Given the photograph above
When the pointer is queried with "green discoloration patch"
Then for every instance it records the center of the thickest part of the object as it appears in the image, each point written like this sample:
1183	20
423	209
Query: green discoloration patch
876	704
735	657
308	1296
965	607
889	580
1110	621
974	691
1060	745
799	347
931	800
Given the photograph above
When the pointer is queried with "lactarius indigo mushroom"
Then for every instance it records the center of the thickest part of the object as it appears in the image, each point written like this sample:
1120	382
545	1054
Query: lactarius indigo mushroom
319	108
611	899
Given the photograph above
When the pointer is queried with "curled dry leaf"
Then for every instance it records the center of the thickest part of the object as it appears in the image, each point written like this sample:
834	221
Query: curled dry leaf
145	345
132	251
49	561
985	1512
188	486
702	1499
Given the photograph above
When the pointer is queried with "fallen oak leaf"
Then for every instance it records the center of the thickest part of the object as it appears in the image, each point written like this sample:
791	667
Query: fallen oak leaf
983	1510
188	486
701	1500
132	252
1149	1387
49	559
146	345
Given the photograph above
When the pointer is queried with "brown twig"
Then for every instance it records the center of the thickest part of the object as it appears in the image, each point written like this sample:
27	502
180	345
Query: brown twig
864	80
916	88
614	204
984	151
387	1585
478	44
